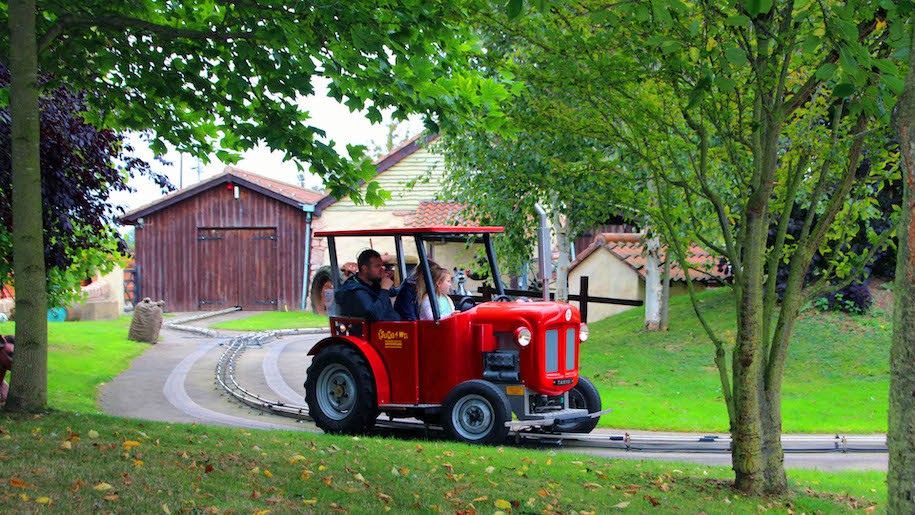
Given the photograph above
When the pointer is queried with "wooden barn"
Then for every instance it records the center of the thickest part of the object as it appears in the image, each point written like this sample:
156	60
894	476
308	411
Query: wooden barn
235	239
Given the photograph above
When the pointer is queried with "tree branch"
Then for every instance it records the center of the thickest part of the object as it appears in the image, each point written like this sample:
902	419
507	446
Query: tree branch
823	284
720	352
839	196
778	246
803	94
111	22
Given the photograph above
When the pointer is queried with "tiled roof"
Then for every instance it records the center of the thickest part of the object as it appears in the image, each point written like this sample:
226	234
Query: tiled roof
432	213
303	195
282	191
629	248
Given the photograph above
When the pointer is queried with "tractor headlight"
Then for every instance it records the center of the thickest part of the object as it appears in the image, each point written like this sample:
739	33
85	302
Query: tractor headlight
523	336
583	332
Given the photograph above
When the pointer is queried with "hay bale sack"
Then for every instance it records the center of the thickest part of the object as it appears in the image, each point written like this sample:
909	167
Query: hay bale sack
146	322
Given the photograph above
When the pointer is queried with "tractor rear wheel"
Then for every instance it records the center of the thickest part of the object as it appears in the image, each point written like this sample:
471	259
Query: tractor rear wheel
583	396
340	391
476	412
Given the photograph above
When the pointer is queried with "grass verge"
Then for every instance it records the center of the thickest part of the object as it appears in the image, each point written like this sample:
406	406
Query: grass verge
79	464
836	380
81	357
270	320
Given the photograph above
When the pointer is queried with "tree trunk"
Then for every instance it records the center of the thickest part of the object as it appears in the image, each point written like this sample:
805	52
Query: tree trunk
562	265
653	285
901	434
29	385
749	401
665	295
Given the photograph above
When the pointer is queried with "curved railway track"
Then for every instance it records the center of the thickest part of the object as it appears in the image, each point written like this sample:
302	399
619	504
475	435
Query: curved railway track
226	377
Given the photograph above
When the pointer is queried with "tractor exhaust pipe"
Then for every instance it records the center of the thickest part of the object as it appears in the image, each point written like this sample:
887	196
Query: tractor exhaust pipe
543	250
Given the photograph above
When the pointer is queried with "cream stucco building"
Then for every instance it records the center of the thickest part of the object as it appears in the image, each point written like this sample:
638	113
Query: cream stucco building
412	174
615	266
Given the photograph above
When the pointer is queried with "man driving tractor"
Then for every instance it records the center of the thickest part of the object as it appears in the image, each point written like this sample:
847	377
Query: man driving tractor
368	293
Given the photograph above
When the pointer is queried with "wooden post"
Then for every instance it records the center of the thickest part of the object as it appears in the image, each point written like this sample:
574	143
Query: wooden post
583	297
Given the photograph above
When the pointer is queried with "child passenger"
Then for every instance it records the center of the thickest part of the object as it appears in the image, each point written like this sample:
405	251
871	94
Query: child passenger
441	278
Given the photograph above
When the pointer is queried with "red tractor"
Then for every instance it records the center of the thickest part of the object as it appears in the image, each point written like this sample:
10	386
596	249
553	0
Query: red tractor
468	372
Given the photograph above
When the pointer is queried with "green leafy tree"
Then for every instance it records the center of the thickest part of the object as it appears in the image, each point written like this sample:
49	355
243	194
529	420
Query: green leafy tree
901	478
502	176
80	238
501	179
220	77
739	114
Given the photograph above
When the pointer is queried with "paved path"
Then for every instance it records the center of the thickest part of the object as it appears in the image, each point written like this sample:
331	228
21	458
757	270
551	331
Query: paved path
174	381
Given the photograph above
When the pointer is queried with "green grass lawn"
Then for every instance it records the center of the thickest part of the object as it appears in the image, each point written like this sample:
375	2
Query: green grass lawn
836	380
81	462
269	320
92	463
81	357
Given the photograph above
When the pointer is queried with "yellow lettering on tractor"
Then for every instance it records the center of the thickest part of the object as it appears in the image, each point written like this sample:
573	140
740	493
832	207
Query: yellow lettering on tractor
392	339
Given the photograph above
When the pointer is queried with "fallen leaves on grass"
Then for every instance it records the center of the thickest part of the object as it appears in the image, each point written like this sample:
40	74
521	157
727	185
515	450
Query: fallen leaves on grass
102	487
130	444
621	505
502	504
653	500
93	434
15	482
66	445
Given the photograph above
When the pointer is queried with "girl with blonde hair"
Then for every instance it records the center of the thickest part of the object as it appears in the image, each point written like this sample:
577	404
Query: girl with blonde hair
441	279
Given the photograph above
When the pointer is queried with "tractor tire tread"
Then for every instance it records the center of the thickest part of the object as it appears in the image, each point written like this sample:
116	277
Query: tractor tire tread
496	397
365	413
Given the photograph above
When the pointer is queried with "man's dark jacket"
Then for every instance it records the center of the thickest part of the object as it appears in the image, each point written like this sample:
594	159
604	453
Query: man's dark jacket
358	299
405	303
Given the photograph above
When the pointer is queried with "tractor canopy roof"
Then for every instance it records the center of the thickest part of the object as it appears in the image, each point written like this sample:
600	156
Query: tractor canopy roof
414	231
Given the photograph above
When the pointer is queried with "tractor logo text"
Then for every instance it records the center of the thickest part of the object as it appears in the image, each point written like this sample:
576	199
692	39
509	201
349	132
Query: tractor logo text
392	339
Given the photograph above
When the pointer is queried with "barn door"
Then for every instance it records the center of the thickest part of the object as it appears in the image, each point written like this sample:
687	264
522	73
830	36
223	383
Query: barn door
258	269
217	269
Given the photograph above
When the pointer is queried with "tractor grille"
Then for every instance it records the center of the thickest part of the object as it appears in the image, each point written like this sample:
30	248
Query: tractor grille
553	349
570	349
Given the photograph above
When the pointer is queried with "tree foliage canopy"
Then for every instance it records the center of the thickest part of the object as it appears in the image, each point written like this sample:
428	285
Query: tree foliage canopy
738	116
81	167
223	76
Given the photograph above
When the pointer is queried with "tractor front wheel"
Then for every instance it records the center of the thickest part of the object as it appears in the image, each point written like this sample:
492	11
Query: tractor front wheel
476	412
340	391
583	396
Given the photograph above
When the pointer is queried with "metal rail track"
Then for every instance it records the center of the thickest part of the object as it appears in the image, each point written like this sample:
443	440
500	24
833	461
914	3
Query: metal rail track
235	348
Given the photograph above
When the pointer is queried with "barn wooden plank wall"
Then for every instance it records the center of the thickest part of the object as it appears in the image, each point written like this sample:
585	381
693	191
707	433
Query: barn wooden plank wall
170	257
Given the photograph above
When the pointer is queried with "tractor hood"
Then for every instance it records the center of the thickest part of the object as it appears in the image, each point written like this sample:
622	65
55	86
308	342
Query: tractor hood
535	313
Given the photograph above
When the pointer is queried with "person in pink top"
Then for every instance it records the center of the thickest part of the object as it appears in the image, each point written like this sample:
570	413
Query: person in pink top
6	363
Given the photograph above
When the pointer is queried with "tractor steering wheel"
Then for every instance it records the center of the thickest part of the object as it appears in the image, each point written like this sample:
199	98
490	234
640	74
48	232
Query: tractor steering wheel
465	303
501	298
